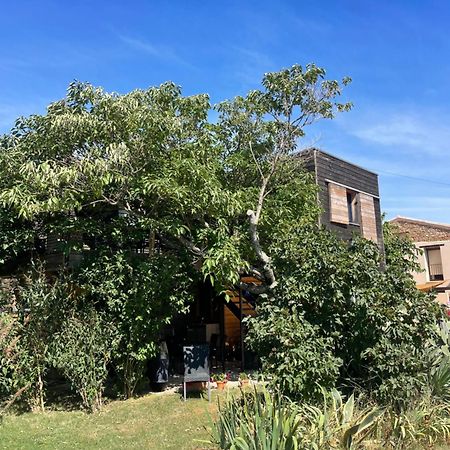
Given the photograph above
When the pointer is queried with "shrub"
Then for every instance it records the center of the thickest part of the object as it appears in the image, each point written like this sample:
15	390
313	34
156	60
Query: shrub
262	419
425	423
438	359
13	376
337	423
341	314
31	315
295	355
82	351
139	296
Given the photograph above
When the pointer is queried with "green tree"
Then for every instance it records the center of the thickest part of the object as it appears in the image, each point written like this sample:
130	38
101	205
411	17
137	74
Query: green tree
109	173
374	322
139	296
200	187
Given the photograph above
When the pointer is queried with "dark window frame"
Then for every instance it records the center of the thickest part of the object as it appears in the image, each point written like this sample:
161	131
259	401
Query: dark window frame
354	214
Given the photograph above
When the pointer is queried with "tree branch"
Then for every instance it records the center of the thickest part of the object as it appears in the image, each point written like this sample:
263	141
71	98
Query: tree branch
197	251
267	270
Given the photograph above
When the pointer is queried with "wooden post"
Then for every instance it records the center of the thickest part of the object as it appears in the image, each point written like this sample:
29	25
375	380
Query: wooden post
241	330
222	333
151	243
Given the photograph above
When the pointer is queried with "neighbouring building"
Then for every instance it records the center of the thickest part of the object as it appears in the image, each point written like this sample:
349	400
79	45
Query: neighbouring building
348	194
433	241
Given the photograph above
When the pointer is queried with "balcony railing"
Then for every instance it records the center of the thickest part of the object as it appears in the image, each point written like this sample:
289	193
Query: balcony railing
435	271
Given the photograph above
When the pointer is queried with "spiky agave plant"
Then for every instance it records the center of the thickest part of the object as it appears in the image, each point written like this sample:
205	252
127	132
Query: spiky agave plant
439	379
257	420
426	423
337	424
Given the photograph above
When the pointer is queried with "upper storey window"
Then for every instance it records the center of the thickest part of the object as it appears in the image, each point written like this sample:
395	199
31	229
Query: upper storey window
434	263
350	207
353	207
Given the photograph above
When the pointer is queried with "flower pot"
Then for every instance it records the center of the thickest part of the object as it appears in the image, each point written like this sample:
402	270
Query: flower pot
221	385
244	383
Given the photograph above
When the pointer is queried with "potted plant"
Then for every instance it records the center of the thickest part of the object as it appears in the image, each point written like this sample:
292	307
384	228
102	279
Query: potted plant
220	379
243	379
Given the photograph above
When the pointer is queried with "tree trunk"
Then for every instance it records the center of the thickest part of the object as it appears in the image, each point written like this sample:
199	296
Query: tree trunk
40	386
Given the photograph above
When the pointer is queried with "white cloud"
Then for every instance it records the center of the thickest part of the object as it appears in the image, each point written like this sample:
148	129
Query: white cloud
158	51
423	131
251	65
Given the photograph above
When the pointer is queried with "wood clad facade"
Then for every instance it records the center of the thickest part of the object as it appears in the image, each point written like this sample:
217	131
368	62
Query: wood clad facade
344	186
338	204
232	322
368	217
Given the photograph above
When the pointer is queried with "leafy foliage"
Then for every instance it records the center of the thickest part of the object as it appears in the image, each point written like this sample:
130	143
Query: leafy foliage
38	306
81	350
139	297
143	189
294	353
375	323
438	359
262	419
113	175
338	423
154	155
257	420
425	424
12	379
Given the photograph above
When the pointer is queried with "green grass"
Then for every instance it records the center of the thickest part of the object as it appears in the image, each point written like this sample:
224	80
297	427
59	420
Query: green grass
150	422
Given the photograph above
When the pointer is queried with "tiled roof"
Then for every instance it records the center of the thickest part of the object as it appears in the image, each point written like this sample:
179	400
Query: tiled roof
422	230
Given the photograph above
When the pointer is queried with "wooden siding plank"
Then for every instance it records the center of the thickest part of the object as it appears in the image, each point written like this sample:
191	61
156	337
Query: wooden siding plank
368	217
338	203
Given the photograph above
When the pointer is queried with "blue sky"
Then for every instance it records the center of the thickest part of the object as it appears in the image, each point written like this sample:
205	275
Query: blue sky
395	51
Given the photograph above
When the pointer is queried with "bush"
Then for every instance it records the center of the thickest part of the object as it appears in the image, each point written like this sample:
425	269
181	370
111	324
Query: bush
139	296
257	420
438	359
423	424
31	316
12	376
82	351
340	313
337	423
263	419
296	357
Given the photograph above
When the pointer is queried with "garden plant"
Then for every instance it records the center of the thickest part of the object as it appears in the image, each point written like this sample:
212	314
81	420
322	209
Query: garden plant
352	351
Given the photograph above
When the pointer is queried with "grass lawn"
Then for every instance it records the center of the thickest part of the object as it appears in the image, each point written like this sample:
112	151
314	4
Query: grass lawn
150	422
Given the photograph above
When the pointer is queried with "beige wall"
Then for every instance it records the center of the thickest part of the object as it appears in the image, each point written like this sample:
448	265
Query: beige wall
442	298
422	277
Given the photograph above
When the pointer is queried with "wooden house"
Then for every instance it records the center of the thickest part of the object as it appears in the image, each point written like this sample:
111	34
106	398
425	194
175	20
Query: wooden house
348	194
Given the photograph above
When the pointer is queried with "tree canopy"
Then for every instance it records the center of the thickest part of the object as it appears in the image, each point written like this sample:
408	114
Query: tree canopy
156	197
199	187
